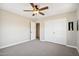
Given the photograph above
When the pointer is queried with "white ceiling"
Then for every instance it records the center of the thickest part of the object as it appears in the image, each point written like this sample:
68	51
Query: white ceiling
54	8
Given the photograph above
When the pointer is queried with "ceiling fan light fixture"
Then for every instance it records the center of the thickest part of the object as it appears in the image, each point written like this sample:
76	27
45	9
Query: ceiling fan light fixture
36	12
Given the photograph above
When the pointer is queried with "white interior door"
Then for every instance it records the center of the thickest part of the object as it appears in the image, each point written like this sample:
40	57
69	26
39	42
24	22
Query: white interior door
55	31
33	30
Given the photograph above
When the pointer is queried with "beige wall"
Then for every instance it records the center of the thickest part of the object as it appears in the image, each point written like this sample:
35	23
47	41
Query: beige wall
78	30
71	36
14	28
69	16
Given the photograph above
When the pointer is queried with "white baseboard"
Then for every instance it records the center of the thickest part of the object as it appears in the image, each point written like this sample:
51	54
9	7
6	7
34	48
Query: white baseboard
71	46
29	40
13	44
61	44
66	45
78	50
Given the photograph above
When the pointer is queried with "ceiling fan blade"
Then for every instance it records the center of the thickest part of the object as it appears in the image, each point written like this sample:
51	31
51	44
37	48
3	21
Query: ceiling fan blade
32	5
28	10
41	13
36	7
44	8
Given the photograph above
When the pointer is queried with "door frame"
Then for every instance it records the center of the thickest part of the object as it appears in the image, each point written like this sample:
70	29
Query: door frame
32	34
38	31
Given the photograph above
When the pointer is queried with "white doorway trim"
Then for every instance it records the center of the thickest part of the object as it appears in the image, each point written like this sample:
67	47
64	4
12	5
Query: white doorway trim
32	30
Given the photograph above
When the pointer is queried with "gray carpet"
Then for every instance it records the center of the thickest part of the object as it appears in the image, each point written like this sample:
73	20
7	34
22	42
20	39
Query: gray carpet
38	48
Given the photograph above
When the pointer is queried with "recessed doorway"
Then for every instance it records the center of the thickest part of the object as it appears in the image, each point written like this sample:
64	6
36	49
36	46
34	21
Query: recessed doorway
38	31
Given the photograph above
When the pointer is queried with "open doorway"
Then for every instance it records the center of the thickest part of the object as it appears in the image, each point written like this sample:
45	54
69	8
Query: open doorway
38	31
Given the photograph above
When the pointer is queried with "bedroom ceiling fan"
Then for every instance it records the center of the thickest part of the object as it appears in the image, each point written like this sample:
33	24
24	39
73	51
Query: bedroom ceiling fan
36	10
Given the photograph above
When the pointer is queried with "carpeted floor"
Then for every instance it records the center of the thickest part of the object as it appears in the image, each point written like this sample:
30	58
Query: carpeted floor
38	48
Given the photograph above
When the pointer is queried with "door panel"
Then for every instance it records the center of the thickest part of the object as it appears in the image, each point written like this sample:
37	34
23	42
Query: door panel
55	31
33	30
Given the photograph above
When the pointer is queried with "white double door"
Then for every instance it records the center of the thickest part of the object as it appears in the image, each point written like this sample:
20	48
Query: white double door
55	31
